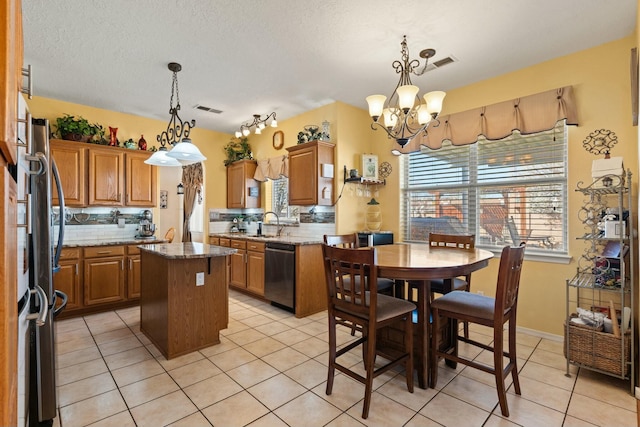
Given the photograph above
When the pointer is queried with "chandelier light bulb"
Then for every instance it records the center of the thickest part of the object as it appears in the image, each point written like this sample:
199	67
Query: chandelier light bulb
245	132
434	102
274	123
376	104
407	97
238	134
390	118
424	116
258	130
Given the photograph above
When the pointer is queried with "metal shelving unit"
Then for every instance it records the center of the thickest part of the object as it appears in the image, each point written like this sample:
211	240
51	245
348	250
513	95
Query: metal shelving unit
605	275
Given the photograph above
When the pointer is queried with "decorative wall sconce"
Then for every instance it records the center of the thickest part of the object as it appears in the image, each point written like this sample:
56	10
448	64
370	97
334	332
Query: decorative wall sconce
180	188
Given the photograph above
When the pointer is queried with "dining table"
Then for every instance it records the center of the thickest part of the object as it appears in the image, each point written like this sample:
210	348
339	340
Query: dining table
419	263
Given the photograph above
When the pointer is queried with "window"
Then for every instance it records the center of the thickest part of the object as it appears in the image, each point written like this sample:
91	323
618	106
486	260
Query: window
502	191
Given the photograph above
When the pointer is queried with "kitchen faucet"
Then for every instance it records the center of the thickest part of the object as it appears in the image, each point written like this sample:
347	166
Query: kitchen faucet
279	228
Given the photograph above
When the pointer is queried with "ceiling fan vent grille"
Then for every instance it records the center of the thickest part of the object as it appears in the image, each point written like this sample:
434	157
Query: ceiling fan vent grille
207	109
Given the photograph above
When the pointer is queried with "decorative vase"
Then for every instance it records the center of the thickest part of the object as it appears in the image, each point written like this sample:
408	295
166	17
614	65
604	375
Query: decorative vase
142	144
113	140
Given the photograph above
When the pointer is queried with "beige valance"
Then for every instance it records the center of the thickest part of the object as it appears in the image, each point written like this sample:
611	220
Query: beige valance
529	114
273	168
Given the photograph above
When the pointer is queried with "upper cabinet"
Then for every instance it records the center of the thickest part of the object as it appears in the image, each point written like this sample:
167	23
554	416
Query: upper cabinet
106	177
141	180
242	190
103	176
71	160
11	76
311	173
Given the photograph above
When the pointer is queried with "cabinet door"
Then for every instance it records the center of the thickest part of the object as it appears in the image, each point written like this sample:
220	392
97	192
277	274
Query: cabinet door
11	77
255	272
242	190
67	280
141	180
71	160
303	177
133	277
238	269
103	280
106	184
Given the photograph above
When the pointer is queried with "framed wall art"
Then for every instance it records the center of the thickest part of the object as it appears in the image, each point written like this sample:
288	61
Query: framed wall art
370	166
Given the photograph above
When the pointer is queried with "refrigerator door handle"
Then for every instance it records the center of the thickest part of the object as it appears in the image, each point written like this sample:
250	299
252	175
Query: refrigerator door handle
41	316
43	164
56	176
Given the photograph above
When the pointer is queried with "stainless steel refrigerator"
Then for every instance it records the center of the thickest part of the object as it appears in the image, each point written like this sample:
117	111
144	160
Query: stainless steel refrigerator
38	171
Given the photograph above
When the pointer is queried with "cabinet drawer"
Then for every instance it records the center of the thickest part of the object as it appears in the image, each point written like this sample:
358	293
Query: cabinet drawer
214	241
255	246
103	251
225	242
70	253
238	244
133	250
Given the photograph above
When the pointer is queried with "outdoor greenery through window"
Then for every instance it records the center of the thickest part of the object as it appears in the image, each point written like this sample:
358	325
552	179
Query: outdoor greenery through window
504	191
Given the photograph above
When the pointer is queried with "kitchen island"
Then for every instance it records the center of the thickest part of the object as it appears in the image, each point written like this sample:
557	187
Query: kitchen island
184	295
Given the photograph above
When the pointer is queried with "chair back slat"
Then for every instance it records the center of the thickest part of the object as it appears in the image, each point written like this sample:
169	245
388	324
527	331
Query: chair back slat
456	241
348	275
342	240
508	284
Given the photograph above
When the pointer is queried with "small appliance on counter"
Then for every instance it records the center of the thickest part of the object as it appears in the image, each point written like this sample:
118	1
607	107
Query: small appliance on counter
367	238
146	228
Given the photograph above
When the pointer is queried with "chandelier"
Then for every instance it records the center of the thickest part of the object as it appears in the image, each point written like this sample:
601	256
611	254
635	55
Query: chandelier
404	115
259	123
177	134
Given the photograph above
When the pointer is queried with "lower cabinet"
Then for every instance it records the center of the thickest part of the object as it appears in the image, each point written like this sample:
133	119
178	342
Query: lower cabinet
247	265
98	278
67	279
133	272
255	267
104	278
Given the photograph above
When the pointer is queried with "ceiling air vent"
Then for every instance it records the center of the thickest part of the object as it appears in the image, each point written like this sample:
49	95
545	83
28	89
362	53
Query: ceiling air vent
441	63
207	109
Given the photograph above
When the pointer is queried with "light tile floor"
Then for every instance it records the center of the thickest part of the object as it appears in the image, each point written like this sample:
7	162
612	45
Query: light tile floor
270	370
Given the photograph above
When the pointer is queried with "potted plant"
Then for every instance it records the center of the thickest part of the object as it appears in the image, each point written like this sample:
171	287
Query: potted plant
312	133
237	149
77	129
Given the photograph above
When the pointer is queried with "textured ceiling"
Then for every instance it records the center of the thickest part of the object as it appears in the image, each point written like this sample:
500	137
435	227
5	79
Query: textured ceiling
248	57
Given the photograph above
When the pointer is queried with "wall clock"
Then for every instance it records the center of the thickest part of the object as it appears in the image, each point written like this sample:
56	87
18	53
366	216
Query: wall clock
278	139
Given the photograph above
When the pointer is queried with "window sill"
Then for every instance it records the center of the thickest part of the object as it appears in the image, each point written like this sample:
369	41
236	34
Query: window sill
554	258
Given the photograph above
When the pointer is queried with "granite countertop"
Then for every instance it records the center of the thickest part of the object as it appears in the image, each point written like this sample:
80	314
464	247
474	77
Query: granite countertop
189	250
109	242
294	240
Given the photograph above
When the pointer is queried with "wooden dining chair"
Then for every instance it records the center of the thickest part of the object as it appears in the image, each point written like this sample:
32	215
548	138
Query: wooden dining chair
363	306
487	311
466	242
170	234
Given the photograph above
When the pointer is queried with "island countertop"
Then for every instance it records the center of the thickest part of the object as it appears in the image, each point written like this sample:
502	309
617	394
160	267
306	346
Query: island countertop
187	250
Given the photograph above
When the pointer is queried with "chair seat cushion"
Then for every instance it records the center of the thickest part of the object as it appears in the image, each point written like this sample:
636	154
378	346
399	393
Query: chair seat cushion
439	285
467	303
388	307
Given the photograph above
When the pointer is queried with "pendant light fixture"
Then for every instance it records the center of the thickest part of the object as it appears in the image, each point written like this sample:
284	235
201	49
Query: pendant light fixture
404	115
177	133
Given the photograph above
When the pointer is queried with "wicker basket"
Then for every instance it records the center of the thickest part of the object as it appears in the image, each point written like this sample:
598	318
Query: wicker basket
595	349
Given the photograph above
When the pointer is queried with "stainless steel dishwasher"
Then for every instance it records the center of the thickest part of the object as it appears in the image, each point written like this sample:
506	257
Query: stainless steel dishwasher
280	275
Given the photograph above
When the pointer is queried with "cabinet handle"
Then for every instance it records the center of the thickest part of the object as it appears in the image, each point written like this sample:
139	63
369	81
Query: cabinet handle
103	252
119	197
122	264
130	264
76	269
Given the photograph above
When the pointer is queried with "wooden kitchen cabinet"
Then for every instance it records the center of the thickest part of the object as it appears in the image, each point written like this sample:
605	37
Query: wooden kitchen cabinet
71	160
140	179
11	48
106	177
133	272
255	267
311	173
242	190
238	277
68	278
104	278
